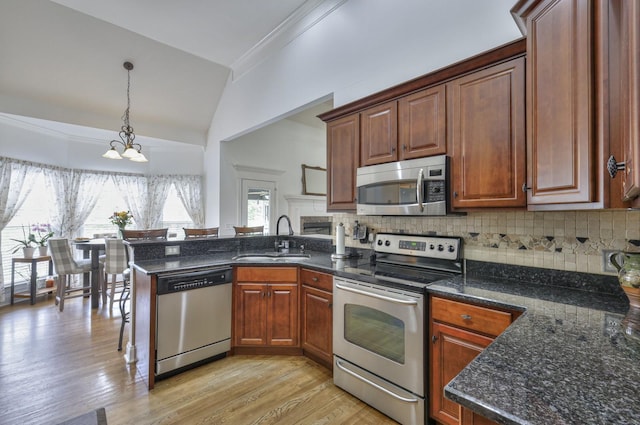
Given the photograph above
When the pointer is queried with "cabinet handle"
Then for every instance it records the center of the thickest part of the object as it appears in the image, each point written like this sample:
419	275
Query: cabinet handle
455	194
315	279
525	187
330	305
393	149
434	339
404	147
264	294
613	166
269	295
465	317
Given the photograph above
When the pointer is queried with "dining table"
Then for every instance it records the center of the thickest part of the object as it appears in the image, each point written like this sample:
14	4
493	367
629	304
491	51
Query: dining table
92	248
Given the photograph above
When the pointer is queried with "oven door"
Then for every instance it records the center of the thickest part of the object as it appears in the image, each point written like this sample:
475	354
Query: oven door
381	330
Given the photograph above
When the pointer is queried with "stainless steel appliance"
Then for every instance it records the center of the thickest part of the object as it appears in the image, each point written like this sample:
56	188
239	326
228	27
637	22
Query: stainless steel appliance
380	325
193	318
412	187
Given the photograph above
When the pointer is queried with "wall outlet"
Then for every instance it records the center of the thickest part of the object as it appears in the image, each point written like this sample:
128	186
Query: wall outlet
607	267
172	250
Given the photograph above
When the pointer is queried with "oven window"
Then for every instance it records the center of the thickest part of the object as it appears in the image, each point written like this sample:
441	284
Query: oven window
374	331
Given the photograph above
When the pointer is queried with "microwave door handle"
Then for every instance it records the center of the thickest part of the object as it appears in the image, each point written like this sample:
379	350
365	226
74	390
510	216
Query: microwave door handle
419	191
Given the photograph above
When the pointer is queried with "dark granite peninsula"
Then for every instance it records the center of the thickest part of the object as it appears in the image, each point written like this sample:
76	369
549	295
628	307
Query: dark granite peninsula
564	361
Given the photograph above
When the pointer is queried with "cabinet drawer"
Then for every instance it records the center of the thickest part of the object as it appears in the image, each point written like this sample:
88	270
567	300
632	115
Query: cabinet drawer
315	279
472	317
267	274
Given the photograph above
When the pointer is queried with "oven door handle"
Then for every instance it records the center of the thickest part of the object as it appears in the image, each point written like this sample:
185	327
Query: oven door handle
372	295
419	191
373	384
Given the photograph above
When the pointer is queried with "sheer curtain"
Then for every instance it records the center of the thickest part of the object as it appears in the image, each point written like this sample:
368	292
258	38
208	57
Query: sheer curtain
189	189
145	197
76	193
16	181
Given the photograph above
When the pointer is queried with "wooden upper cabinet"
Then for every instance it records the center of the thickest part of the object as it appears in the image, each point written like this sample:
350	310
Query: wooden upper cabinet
561	78
624	77
422	124
486	126
379	134
343	144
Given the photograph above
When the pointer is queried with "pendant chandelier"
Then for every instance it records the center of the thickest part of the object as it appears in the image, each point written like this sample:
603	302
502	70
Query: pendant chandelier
131	150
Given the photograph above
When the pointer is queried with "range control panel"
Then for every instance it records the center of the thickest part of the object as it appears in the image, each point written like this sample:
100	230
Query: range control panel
441	247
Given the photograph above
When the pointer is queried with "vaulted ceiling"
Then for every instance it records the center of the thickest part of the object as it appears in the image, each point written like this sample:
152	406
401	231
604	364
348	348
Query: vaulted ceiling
61	60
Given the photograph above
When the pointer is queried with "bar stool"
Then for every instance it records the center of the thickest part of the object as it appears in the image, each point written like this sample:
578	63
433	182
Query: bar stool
248	230
115	264
200	233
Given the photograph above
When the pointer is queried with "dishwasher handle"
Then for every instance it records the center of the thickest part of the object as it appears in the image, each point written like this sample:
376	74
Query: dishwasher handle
187	280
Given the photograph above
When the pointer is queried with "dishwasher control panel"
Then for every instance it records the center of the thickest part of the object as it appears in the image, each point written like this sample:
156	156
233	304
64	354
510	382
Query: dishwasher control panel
186	280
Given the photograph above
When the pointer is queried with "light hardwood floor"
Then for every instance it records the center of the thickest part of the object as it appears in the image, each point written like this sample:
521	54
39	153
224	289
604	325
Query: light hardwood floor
54	366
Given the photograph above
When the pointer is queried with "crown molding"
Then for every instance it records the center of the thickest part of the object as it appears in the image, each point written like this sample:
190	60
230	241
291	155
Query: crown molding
296	24
252	169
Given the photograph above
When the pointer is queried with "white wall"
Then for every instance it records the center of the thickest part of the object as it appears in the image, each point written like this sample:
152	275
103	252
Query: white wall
30	143
361	48
282	146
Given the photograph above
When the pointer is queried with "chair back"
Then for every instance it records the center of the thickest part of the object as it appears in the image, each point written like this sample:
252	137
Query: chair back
247	230
116	259
147	234
200	233
62	258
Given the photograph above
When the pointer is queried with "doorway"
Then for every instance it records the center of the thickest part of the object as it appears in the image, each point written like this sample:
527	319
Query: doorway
258	198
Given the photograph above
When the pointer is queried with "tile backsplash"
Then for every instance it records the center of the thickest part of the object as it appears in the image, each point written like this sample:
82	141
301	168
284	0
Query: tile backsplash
566	240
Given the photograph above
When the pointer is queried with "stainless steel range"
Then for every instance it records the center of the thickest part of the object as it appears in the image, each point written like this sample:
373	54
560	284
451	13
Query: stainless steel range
380	328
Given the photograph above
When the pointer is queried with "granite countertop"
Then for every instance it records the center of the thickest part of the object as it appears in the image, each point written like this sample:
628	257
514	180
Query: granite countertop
563	361
351	267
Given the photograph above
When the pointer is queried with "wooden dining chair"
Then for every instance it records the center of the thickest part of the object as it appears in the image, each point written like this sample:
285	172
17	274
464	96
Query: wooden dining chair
248	230
65	266
210	232
145	234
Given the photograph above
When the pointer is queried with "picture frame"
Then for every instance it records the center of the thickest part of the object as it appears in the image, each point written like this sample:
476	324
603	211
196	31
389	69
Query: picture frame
314	180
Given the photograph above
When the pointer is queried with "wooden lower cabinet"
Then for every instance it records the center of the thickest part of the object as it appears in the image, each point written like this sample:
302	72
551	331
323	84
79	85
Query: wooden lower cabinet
458	333
266	307
316	315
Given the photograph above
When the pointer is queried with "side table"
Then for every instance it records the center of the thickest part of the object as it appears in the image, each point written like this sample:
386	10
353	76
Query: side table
33	291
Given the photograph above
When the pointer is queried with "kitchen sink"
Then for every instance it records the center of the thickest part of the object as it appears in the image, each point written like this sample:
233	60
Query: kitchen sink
280	256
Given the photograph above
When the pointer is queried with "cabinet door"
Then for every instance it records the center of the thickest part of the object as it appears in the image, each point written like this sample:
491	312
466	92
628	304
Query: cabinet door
282	315
452	349
628	19
487	137
422	124
379	134
250	314
560	67
343	151
317	323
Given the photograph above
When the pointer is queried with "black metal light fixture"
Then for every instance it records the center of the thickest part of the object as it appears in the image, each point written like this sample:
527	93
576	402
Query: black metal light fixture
132	151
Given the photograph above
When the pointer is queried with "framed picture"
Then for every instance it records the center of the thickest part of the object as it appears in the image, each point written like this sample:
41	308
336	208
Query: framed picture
314	180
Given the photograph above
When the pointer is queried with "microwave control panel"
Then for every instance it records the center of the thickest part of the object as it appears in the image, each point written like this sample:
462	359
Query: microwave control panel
434	191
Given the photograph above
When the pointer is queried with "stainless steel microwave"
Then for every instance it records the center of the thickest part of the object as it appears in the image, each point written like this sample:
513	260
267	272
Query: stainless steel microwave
412	187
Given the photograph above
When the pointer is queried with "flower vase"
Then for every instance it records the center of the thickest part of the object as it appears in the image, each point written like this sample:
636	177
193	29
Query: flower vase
121	232
28	251
42	251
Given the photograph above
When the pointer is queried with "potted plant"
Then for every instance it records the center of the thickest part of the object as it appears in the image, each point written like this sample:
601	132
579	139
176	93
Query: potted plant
121	219
42	235
25	244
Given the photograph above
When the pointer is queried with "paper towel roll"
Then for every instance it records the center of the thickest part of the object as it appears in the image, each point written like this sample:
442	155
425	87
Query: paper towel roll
340	239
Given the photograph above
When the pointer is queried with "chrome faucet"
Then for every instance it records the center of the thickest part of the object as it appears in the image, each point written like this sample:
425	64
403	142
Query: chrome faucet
284	245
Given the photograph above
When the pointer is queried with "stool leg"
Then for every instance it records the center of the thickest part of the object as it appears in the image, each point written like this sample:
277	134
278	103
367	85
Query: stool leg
124	296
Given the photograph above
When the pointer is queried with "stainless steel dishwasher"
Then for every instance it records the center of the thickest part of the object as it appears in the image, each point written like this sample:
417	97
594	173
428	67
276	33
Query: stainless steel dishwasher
193	319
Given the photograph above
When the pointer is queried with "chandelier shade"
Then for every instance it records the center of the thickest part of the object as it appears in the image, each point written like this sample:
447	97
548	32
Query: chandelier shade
130	149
